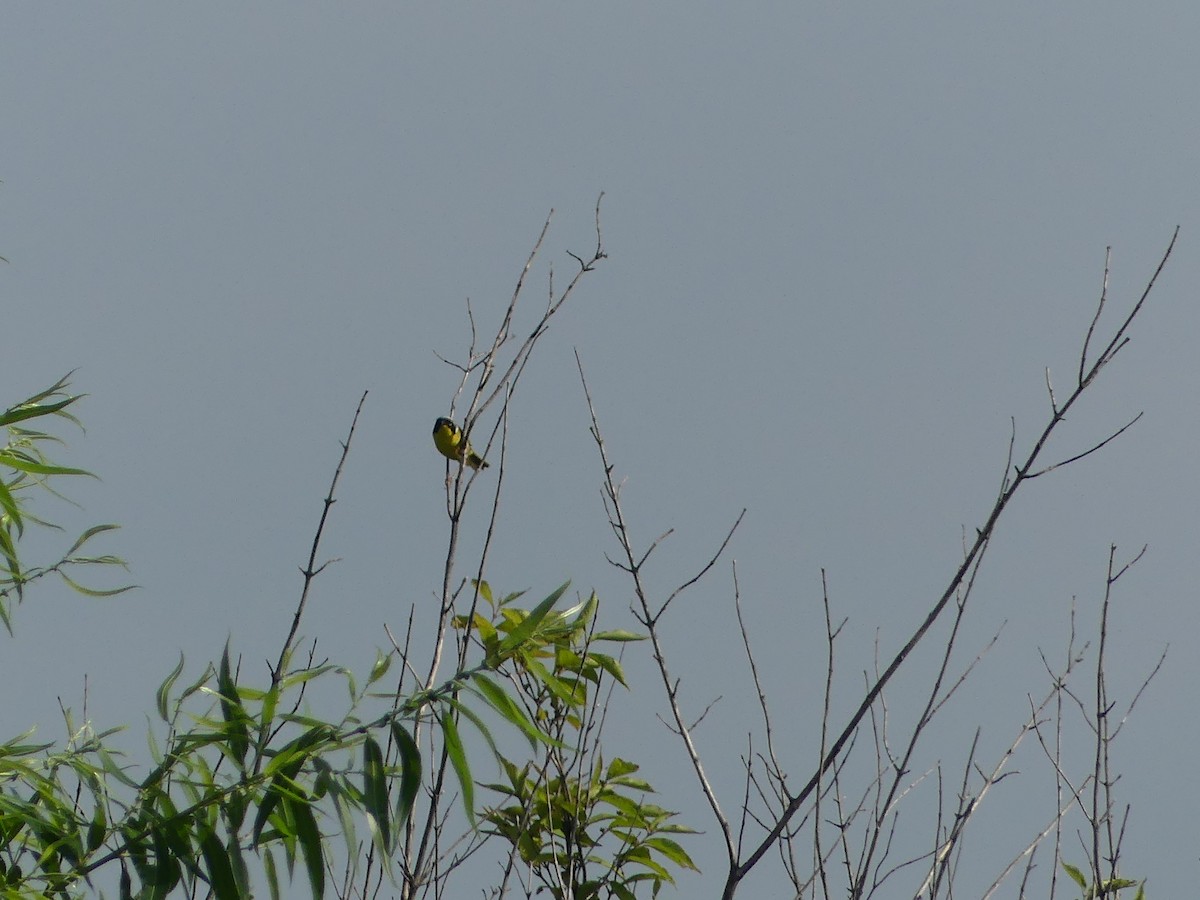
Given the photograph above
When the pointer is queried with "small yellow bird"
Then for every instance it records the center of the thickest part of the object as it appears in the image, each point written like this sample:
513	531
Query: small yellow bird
448	438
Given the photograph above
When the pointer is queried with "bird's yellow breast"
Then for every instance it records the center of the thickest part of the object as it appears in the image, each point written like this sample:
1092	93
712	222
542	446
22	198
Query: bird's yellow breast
447	437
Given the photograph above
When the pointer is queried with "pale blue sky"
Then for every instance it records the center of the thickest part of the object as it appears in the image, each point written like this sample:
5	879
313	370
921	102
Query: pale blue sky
845	241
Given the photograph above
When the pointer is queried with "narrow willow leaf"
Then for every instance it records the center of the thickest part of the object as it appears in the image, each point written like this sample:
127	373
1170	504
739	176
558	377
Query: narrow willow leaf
618	635
234	807
237	862
588	613
88	535
500	701
270	799
237	733
270	699
93	592
571	611
164	690
22	463
220	872
471	716
383	662
97	829
644	859
9	505
672	851
485	590
345	801
609	665
165	873
375	795
31	409
1076	875
458	759
304	675
618	767
410	771
521	633
310	845
559	688
292	755
268	859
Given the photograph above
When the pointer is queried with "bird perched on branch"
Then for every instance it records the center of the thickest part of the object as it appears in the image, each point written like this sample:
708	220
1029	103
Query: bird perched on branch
449	440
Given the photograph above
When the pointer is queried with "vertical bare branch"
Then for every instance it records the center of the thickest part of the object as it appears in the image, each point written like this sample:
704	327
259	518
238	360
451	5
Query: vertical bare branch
650	617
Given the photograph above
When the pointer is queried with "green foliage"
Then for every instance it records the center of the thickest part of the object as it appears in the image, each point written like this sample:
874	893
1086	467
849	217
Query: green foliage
245	772
235	778
24	468
582	830
1109	888
561	825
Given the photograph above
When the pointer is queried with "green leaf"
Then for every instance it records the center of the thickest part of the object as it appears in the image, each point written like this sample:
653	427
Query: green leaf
284	766
672	851
410	771
267	713
272	876
590	607
98	828
23	463
92	592
236	719
618	635
277	791
485	590
304	675
237	862
512	598
618	767
500	701
609	665
165	874
1076	875
471	716
220	872
383	662
162	695
11	508
88	535
375	795
32	410
458	759
518	635
310	845
558	687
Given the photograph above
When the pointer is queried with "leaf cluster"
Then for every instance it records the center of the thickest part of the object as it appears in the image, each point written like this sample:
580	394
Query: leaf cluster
26	467
582	827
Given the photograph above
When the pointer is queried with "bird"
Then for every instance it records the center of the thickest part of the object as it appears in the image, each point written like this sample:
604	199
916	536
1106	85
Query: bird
448	438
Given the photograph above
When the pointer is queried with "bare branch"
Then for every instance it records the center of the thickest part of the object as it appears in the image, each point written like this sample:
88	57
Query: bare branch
1010	486
670	684
1099	309
311	570
704	570
1077	457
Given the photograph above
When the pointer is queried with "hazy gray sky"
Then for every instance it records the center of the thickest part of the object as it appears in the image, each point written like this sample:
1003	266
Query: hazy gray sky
845	241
